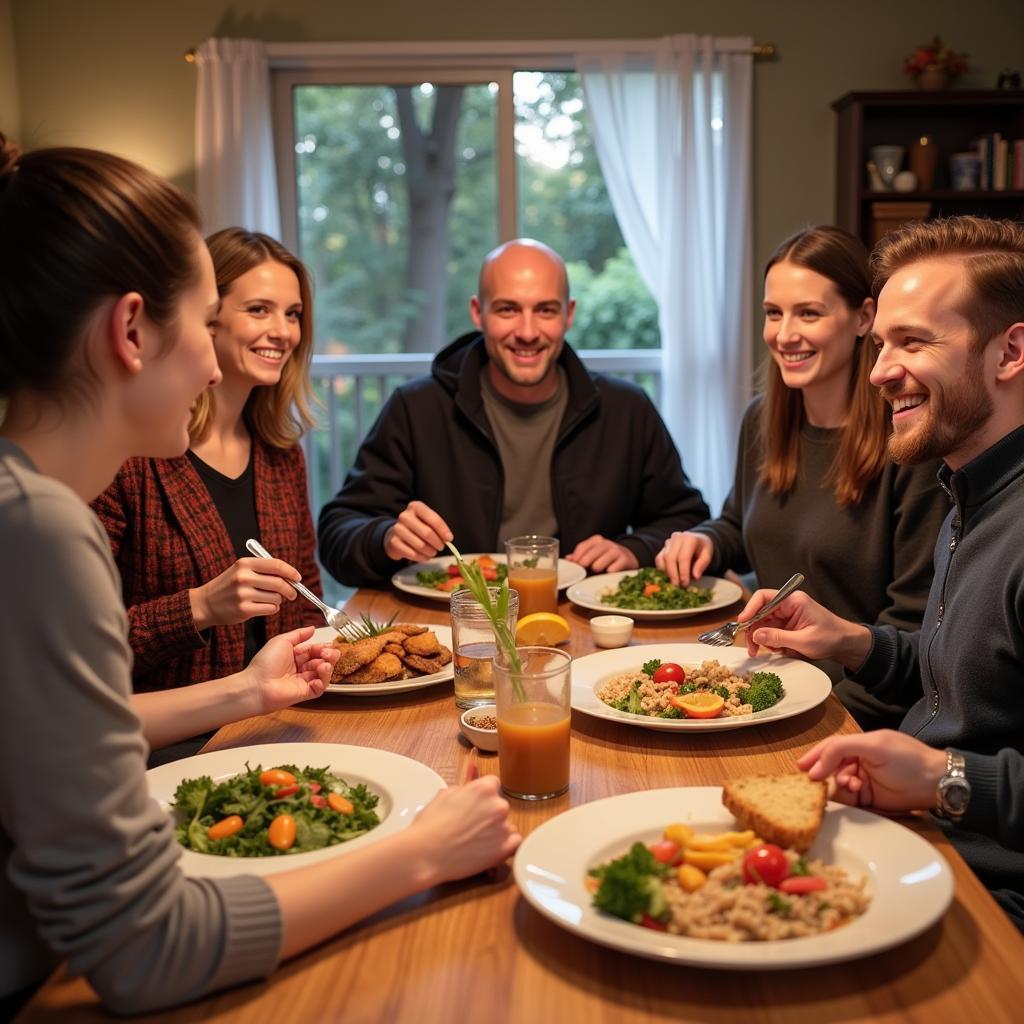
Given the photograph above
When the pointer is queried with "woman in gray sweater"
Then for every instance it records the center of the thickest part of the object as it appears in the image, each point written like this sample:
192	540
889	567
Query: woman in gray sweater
815	491
107	294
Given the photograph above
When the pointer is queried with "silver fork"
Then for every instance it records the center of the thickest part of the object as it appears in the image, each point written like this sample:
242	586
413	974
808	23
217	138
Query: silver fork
724	635
334	618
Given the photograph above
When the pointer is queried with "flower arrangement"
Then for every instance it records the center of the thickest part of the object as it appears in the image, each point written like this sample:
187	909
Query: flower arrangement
935	57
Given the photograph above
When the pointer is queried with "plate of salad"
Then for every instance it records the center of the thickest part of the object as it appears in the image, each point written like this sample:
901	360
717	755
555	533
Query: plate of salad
276	806
907	882
648	594
693	687
439	578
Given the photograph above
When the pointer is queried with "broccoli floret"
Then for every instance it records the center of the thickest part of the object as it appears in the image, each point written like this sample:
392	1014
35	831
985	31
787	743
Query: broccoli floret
763	691
777	905
630	885
633	705
670	712
722	691
650	667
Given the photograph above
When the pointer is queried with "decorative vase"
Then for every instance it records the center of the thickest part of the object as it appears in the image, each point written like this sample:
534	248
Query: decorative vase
922	160
933	79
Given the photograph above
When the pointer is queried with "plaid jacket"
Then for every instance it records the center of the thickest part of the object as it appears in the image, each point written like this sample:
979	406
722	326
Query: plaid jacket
167	537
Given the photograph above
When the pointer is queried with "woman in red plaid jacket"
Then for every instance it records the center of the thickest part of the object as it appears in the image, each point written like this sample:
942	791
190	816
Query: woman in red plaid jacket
198	605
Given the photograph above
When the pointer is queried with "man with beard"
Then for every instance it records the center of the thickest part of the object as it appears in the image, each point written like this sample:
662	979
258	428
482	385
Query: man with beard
950	339
511	435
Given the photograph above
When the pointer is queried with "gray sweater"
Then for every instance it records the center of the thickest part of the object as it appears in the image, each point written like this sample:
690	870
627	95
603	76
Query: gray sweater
89	860
869	563
969	658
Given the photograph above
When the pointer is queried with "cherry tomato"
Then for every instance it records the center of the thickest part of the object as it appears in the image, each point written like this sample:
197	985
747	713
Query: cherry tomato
315	787
490	574
340	804
797	885
281	833
317	801
665	851
670	672
453	569
765	863
286	791
653	923
276	777
225	827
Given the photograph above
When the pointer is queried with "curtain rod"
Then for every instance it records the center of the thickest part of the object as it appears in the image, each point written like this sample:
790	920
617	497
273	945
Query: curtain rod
287	52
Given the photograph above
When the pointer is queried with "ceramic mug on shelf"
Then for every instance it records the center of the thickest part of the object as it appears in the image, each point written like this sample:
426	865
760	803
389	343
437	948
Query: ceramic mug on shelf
888	160
964	172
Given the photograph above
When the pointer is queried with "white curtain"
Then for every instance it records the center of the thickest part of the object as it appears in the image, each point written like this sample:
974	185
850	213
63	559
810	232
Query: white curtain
672	128
236	176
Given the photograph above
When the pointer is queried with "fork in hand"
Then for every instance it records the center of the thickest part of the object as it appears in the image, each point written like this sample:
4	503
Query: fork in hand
334	617
724	635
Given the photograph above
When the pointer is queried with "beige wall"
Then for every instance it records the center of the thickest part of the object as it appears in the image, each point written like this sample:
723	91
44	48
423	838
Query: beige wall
10	109
109	73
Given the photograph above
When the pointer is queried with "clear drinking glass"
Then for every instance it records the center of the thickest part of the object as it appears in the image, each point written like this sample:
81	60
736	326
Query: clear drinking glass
473	646
533	571
533	722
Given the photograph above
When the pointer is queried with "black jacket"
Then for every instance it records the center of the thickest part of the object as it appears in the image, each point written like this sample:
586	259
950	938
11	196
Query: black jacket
614	468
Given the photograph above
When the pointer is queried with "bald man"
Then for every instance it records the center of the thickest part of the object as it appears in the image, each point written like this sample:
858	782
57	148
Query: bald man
509	435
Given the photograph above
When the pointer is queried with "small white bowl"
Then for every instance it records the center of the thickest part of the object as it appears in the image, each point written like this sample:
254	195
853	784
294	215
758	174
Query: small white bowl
482	739
611	630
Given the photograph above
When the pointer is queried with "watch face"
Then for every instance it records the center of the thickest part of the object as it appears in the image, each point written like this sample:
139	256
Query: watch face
955	795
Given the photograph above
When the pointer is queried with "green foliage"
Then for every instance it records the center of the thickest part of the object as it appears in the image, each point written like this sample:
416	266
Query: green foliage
353	187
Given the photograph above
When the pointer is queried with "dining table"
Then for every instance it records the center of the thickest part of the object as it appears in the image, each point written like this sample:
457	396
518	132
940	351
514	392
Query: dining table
476	950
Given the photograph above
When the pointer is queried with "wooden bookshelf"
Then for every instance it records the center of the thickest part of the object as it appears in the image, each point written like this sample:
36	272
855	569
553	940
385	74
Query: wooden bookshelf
953	118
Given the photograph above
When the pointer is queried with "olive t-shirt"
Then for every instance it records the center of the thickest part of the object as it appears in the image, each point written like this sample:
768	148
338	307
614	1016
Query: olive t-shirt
525	434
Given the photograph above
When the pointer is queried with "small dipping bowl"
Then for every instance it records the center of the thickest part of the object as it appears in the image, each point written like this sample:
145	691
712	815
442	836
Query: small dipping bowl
482	739
611	630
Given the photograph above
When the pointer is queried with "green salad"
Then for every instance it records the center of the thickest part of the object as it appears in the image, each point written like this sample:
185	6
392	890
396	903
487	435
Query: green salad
272	812
650	590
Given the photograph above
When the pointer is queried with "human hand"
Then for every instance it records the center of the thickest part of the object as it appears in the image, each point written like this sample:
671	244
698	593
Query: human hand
885	769
801	627
250	587
599	554
419	534
287	670
464	830
685	556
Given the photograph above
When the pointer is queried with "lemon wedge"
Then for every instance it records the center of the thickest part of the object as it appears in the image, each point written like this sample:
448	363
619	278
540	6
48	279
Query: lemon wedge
699	705
543	629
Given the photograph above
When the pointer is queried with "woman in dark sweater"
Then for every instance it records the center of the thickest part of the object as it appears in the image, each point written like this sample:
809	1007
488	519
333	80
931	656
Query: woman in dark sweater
815	491
199	604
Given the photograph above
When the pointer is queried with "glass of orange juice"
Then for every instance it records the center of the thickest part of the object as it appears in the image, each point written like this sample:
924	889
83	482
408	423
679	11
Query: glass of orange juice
533	722
533	571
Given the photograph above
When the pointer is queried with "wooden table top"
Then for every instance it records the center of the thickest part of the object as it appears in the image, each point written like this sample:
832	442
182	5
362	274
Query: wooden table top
477	950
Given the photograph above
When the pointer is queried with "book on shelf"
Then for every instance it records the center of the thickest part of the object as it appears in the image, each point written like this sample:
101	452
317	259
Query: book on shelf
1000	163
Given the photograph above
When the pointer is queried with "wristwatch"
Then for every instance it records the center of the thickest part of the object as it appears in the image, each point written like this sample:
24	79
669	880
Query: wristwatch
953	792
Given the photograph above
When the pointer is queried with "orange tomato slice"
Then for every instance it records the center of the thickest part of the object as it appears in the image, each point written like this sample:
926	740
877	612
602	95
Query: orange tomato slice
698	705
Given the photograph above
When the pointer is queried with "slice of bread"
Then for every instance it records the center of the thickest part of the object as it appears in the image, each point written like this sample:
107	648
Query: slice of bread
782	809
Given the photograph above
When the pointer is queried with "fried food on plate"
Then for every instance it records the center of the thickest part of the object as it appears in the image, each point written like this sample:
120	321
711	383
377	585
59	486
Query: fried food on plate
783	809
382	669
402	651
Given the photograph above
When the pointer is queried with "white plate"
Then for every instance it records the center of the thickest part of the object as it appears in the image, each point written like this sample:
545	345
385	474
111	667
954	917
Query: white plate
325	635
910	883
568	574
403	785
806	686
588	594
